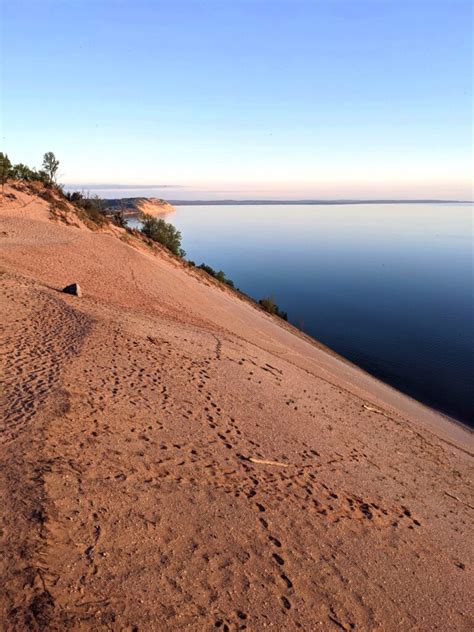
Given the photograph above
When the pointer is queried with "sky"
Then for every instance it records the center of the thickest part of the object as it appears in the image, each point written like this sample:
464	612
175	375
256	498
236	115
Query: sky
242	98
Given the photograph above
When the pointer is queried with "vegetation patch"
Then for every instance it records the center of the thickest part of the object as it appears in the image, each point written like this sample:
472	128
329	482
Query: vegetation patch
89	209
163	233
269	305
59	210
220	275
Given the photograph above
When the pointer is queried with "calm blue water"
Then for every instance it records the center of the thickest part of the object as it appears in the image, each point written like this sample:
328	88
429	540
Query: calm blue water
388	286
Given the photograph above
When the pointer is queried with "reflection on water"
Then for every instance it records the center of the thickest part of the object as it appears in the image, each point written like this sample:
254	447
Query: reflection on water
388	286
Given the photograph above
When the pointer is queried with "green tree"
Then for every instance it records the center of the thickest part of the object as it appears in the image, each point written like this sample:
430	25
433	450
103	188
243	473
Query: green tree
75	196
5	166
23	172
220	275
160	231
50	165
269	305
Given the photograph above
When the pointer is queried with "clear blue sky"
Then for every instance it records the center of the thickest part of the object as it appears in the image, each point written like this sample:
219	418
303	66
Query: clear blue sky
251	98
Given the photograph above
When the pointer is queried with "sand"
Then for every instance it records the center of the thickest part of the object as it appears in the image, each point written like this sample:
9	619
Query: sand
173	458
154	207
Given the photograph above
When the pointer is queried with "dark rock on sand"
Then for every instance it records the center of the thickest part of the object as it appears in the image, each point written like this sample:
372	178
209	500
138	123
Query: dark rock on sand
74	289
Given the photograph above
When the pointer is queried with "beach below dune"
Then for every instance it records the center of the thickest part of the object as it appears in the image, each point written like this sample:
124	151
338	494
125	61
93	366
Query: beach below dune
177	459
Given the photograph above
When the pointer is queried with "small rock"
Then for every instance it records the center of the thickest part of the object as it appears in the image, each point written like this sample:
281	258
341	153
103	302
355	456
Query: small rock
74	289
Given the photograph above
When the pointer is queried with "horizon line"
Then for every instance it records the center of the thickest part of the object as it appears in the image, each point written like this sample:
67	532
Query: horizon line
308	201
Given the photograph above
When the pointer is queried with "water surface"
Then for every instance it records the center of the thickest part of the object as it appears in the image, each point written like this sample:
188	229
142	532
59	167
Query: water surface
388	286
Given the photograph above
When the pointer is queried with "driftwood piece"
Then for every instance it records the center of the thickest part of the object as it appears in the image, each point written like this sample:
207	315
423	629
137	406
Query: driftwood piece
265	462
458	499
373	410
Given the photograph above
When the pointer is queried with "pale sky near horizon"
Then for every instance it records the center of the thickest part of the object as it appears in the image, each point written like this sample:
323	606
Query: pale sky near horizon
243	98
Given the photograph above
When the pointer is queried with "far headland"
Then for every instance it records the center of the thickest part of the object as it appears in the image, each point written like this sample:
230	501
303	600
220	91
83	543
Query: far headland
136	205
153	205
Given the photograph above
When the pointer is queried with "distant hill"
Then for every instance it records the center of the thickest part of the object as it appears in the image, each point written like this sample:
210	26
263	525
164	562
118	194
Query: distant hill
136	205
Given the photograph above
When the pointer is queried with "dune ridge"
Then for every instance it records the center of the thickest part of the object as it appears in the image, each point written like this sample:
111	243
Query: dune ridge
156	207
175	458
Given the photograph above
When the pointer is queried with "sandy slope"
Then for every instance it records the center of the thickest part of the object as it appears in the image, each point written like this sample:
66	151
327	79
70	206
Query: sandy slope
128	498
154	207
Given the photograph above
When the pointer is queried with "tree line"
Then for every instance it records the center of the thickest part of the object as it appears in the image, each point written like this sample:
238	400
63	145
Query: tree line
47	174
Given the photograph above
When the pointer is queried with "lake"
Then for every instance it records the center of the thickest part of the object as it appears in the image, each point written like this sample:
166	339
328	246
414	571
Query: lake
388	286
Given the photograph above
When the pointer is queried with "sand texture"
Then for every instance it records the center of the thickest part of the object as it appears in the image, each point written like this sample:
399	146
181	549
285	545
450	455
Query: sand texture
173	458
154	207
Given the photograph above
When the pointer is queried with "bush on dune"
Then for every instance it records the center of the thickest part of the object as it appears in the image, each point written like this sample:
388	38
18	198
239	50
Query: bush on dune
25	173
220	275
270	306
267	303
91	208
163	233
118	218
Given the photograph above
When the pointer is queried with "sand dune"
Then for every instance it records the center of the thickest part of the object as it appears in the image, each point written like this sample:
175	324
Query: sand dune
154	207
173	458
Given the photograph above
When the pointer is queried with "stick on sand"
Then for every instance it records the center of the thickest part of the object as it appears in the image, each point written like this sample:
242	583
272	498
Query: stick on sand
374	410
264	462
458	499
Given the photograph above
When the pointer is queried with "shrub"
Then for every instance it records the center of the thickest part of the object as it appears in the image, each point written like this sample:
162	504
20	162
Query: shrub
59	210
94	209
26	174
207	269
91	208
118	219
269	305
75	196
220	276
163	233
47	195
22	172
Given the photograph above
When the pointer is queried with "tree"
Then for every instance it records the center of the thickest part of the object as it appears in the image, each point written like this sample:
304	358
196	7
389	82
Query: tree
23	172
5	166
50	165
160	231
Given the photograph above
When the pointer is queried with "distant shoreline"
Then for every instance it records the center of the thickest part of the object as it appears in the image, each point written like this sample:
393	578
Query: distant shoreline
309	202
117	201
